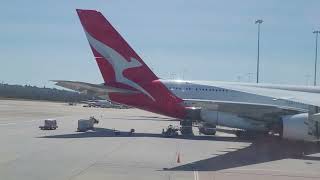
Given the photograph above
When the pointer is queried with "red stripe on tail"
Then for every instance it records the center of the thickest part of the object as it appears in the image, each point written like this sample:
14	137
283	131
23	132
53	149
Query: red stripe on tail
121	67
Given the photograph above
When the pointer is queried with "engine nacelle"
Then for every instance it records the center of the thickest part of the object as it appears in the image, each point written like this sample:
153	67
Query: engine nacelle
295	127
233	121
225	119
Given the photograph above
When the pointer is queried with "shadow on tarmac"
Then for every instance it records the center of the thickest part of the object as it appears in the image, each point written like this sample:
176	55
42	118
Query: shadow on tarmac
147	118
261	150
105	132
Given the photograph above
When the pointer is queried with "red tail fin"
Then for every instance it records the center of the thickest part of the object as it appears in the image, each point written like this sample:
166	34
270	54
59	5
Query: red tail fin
122	67
111	51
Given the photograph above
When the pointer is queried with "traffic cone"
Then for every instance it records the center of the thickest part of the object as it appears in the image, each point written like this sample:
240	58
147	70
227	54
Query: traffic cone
178	159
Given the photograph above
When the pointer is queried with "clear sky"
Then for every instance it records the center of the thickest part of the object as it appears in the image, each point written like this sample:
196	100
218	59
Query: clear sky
190	39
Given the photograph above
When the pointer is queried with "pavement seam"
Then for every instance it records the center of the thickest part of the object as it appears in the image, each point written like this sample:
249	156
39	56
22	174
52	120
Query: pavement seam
104	156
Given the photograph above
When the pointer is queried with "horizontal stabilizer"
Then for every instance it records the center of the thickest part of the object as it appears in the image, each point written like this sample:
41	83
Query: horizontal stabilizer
92	89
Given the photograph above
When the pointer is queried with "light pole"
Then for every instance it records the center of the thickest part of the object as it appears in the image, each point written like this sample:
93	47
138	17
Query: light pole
259	21
316	58
307	76
249	76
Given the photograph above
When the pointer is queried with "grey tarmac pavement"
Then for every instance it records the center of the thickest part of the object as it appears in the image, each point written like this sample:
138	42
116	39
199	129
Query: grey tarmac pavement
28	153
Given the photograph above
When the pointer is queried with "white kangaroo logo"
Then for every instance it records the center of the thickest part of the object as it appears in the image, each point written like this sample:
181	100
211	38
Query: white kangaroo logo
118	62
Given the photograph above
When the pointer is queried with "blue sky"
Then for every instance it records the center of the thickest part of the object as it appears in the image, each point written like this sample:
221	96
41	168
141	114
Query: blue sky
195	40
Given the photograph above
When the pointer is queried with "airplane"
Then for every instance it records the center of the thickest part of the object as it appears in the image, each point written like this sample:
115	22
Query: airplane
103	104
97	103
292	112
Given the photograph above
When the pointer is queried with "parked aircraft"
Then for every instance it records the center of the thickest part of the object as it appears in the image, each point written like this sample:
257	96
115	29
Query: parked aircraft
290	111
97	103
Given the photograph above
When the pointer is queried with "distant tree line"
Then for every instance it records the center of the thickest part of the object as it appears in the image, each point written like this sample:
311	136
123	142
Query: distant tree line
37	93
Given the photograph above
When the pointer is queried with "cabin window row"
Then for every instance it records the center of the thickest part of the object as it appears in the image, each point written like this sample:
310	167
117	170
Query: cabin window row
199	89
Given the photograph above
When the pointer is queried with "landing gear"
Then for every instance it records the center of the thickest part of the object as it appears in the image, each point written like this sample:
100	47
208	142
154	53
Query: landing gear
170	132
186	127
207	129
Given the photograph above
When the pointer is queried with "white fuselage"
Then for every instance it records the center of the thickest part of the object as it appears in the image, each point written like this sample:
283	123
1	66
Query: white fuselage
194	90
211	92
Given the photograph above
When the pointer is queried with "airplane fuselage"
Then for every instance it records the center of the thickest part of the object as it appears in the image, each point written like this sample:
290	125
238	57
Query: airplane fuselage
194	90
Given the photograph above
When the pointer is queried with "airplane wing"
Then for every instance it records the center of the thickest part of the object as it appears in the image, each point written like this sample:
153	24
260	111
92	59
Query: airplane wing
94	89
307	95
255	111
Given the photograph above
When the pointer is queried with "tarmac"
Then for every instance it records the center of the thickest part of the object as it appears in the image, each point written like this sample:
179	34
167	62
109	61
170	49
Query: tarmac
28	153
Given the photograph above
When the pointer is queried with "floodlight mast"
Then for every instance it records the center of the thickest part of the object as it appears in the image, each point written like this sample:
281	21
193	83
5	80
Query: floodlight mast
259	22
316	58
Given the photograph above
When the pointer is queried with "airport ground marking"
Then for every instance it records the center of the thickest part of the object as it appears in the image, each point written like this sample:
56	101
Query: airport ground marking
196	175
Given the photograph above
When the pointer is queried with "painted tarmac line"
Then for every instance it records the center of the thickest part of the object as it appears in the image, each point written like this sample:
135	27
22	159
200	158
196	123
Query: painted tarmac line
196	175
30	121
6	124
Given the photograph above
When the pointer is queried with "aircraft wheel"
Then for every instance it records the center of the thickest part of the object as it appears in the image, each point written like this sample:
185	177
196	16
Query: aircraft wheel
186	127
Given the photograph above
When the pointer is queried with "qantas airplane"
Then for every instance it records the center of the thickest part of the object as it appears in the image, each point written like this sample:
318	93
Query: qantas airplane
290	111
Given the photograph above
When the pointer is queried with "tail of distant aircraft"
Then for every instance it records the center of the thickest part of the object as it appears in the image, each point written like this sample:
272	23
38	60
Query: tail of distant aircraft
121	67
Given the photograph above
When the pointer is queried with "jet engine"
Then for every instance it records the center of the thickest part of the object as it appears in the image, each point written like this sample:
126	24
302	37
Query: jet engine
295	127
231	120
225	119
